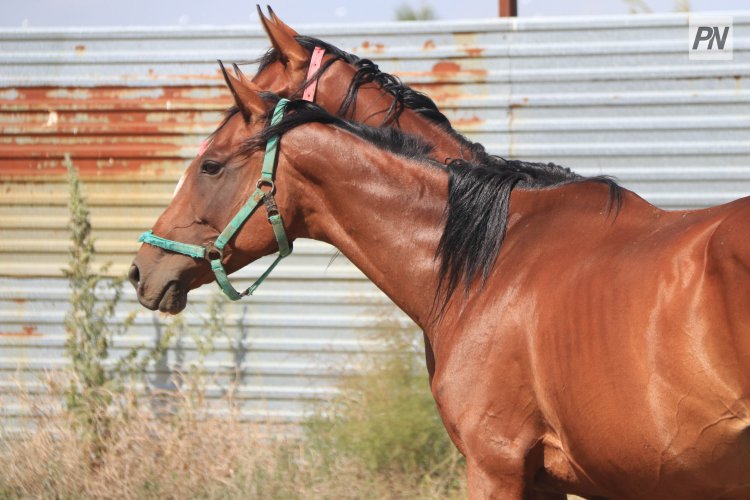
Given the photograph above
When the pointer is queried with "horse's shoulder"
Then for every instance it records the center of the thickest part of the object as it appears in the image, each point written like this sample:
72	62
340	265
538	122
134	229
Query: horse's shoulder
728	246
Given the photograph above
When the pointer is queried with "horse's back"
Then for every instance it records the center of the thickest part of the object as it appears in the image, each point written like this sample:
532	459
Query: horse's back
631	327
642	352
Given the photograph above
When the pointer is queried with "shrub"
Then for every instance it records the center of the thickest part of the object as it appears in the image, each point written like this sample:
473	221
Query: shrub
385	419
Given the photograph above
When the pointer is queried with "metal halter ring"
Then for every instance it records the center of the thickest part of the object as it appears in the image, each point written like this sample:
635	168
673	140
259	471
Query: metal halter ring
266	182
213	252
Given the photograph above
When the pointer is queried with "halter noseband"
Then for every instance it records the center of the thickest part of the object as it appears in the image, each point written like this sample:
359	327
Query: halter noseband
214	252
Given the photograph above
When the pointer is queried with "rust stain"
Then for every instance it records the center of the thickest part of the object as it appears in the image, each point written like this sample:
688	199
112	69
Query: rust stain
115	131
102	122
25	331
473	51
471	122
20	301
438	91
29	170
516	105
215	75
446	67
429	45
188	98
443	72
80	49
366	46
117	161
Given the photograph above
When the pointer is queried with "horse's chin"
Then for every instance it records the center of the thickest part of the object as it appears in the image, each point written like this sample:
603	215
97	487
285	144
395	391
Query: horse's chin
172	300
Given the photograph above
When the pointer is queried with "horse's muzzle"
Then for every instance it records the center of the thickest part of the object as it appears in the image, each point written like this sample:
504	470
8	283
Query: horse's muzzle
170	298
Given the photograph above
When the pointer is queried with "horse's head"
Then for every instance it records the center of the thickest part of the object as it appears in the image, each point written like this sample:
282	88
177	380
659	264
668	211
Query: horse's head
347	86
297	64
214	188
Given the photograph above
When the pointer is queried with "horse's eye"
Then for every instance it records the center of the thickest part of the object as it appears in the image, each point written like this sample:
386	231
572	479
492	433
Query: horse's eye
211	167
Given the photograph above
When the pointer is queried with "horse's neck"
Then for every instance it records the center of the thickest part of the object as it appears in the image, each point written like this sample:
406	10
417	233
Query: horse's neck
382	211
371	107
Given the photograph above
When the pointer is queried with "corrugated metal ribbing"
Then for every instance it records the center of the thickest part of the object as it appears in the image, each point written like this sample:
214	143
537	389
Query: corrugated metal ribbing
613	95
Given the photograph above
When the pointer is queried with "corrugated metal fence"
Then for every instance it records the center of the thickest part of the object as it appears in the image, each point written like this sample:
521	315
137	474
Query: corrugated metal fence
614	95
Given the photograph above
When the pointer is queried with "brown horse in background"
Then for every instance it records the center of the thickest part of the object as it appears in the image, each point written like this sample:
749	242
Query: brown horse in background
584	341
358	90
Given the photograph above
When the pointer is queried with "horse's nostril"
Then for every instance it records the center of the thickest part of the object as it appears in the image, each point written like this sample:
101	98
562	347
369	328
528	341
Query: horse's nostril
134	276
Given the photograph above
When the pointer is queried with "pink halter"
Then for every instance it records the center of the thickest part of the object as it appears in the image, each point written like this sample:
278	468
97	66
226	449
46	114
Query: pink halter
315	61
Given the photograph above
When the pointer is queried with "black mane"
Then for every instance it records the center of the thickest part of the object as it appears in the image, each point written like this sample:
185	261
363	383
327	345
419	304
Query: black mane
367	72
476	213
407	98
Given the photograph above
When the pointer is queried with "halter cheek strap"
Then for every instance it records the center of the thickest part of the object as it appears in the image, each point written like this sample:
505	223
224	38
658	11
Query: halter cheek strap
315	62
214	252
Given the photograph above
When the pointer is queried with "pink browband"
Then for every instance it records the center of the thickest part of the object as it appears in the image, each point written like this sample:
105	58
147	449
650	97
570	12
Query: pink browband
315	61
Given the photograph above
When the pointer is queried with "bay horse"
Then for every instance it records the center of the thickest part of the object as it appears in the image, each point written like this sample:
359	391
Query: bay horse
584	340
355	88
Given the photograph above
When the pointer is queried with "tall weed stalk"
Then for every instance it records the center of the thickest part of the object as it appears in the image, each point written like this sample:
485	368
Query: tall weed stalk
91	326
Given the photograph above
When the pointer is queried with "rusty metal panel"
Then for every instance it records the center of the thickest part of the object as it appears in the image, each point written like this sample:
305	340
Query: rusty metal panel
602	95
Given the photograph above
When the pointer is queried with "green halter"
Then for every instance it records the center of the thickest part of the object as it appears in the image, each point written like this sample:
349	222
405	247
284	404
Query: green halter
213	252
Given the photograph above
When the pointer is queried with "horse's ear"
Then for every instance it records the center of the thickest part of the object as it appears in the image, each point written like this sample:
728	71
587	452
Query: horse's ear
246	94
291	53
289	30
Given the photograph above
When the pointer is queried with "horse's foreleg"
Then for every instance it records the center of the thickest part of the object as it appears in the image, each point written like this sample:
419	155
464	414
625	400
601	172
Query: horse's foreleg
484	483
504	469
507	468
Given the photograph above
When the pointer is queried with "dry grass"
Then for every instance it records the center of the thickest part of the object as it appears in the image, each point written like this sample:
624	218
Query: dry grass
191	455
